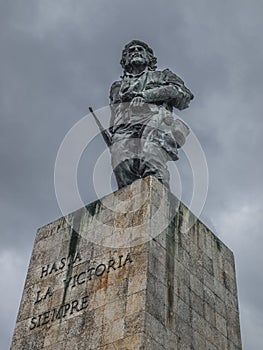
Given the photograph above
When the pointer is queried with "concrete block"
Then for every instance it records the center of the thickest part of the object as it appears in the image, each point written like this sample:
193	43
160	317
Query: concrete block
134	270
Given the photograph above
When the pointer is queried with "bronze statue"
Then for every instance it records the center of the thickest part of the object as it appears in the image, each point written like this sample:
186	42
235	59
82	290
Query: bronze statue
144	133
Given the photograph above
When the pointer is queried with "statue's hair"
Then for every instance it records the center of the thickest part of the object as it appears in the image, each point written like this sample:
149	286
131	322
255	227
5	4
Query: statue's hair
152	60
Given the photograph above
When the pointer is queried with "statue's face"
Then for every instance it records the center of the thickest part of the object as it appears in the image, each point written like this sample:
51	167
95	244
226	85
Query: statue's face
136	55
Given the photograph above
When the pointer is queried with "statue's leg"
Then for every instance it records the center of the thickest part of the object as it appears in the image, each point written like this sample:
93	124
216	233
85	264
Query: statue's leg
126	172
125	162
157	170
154	162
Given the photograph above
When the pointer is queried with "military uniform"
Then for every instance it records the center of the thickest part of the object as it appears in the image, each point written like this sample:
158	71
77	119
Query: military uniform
145	139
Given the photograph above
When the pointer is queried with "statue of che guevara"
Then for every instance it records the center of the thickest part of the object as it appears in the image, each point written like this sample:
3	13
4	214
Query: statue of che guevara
145	134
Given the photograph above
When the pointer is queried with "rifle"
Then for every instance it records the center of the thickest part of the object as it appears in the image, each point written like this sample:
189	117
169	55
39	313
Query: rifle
105	134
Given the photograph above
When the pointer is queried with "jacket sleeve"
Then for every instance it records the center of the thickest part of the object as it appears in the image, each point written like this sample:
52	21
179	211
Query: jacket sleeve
171	89
115	104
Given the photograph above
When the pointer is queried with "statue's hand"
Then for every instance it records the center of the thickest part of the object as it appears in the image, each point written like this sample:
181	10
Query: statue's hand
137	102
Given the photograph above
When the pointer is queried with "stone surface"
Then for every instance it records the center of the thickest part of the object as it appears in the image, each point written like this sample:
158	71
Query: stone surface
176	289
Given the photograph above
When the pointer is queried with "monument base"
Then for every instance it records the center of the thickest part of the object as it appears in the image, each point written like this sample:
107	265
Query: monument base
134	270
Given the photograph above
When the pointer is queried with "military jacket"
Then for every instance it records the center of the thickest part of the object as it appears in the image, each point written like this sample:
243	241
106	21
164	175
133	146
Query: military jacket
153	122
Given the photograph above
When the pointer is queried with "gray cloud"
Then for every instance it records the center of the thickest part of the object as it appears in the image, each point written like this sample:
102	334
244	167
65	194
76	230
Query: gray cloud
57	58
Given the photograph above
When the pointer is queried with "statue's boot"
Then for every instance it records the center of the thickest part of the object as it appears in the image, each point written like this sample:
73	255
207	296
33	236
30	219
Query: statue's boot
126	172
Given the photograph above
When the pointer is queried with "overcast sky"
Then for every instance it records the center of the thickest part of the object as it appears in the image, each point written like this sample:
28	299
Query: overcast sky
58	57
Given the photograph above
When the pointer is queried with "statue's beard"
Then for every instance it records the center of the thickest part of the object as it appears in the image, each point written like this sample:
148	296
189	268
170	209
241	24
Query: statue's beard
137	61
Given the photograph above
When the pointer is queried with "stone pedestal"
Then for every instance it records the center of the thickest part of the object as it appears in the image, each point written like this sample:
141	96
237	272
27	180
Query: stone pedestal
135	270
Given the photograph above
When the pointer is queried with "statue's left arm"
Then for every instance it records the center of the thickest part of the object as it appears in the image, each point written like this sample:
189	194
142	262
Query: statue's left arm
171	89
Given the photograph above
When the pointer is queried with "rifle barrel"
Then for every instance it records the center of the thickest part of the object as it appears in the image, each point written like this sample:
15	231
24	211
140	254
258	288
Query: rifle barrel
105	134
